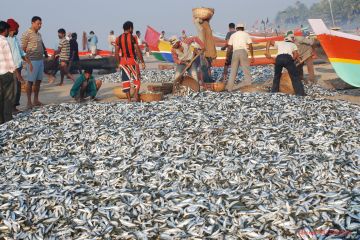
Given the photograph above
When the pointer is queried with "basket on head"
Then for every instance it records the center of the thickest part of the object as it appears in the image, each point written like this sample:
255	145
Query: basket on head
151	96
203	13
119	93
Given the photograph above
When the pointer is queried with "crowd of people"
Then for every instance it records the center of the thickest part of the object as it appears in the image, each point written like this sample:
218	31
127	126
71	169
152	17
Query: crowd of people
238	45
194	54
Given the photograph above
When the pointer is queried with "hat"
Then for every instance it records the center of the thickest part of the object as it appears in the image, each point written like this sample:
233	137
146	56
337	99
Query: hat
173	40
240	25
196	45
289	38
13	24
289	33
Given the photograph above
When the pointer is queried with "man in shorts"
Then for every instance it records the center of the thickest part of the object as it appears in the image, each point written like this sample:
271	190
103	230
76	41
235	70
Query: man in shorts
33	46
64	56
127	44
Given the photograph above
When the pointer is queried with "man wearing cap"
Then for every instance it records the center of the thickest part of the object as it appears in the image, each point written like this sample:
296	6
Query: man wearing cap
182	55
18	57
237	45
286	56
306	49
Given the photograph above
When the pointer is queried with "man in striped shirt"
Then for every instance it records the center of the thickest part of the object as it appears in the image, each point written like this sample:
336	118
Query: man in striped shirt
127	45
64	56
7	70
33	46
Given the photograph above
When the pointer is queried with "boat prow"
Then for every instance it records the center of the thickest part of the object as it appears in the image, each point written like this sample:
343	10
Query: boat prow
342	49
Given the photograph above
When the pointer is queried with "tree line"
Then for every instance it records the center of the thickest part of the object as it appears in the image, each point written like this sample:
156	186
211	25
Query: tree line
346	13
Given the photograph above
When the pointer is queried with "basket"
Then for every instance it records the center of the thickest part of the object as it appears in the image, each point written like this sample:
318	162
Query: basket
203	13
119	93
165	88
215	87
151	96
190	83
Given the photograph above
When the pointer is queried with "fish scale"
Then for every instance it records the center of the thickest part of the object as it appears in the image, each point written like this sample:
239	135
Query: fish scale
208	165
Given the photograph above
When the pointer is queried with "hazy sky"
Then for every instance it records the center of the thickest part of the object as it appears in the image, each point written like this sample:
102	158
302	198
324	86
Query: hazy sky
101	16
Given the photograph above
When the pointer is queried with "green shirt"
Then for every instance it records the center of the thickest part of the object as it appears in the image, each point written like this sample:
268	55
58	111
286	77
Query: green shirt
91	90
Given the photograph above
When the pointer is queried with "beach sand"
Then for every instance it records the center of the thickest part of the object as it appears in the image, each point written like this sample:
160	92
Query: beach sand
52	94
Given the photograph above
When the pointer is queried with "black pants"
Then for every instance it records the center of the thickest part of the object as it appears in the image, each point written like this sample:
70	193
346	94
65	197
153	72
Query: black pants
18	90
75	67
7	91
286	61
300	70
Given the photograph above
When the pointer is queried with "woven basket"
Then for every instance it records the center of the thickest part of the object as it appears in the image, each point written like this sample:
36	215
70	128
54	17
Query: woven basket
119	93
151	96
215	87
203	13
190	83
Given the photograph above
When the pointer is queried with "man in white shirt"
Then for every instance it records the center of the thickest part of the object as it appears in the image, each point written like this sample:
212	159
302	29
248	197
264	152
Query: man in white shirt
237	45
7	70
286	56
111	41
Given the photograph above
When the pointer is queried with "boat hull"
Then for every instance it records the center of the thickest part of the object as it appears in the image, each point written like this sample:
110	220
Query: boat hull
344	56
342	49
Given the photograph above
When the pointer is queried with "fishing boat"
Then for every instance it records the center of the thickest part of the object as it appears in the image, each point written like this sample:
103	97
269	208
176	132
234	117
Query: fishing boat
161	50
163	53
342	49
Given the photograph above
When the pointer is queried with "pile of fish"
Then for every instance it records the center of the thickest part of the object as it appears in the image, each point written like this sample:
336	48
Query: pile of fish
206	166
259	74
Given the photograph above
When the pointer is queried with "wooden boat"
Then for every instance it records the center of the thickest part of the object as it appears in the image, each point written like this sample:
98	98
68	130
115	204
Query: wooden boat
342	49
163	53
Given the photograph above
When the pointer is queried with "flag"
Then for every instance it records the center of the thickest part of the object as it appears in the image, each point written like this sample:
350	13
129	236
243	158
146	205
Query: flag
152	37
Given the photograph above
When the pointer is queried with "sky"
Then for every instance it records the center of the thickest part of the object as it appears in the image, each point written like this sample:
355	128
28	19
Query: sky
101	16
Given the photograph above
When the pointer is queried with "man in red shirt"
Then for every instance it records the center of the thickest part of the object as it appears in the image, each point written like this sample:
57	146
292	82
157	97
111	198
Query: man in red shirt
127	45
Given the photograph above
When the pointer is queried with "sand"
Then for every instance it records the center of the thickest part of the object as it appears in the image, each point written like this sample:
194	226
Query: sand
52	94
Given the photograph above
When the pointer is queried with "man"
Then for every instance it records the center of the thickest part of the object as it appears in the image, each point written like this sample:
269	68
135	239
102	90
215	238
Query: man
138	38
182	55
130	51
238	44
183	35
232	30
162	36
206	36
306	49
7	70
92	42
18	58
286	56
64	56
74	54
33	46
85	86
111	41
